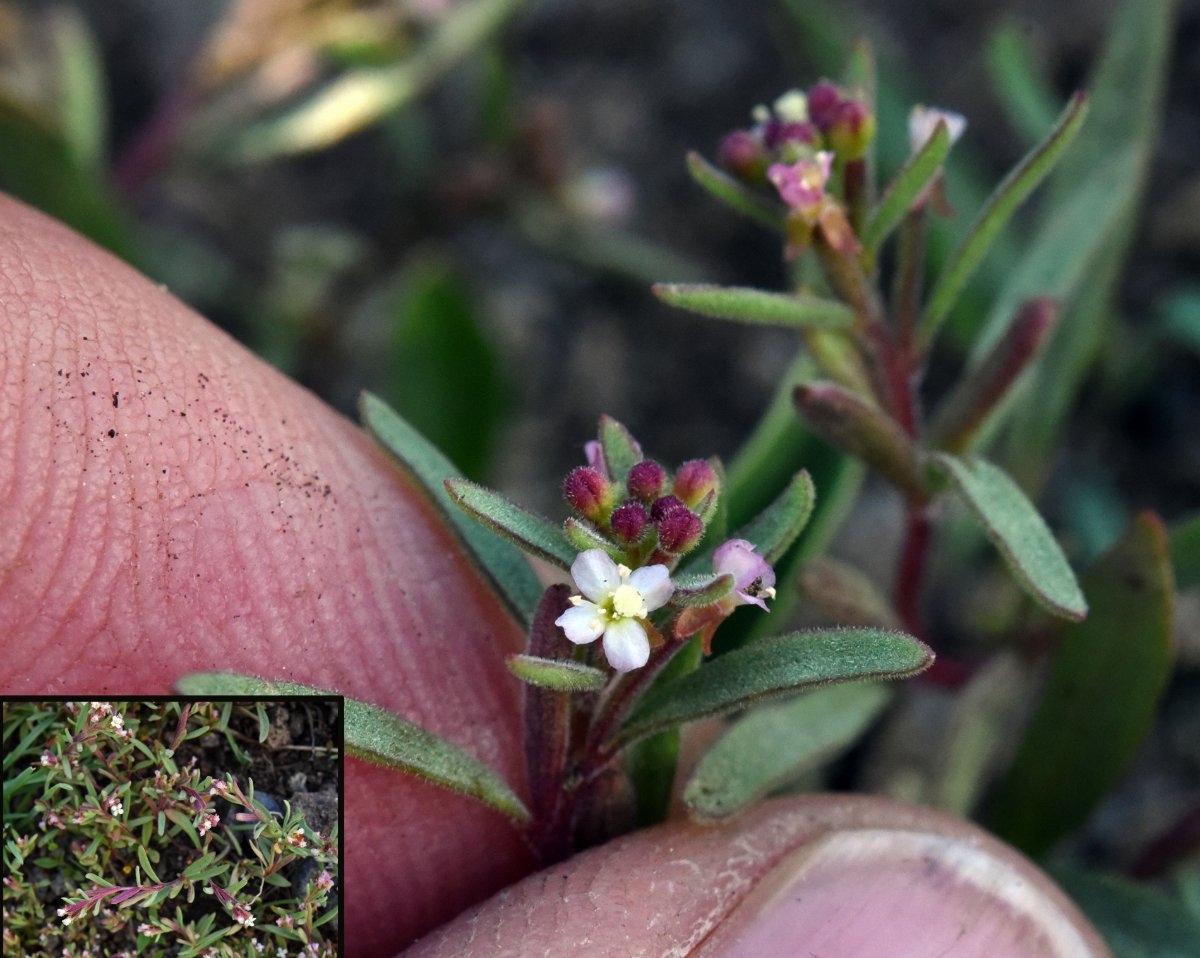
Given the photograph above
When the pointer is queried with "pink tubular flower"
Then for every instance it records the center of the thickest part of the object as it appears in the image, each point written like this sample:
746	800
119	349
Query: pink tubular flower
753	577
614	604
801	185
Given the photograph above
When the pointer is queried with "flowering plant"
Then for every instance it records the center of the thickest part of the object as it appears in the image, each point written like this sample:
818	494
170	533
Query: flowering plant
115	814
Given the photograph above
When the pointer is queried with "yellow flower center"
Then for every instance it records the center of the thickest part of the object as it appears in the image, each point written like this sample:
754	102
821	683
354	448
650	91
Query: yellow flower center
628	603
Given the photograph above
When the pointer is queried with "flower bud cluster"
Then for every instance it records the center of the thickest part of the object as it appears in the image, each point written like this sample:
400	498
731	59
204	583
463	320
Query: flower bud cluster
648	515
799	126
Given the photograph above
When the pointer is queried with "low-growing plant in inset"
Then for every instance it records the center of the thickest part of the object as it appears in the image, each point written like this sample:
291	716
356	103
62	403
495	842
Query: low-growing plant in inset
118	839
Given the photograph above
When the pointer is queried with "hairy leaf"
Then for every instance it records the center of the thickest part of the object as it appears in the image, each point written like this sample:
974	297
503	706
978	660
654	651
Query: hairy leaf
531	532
562	675
758	306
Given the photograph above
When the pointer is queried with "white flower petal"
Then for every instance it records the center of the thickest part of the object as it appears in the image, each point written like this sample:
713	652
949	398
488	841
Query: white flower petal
626	645
583	623
654	583
595	574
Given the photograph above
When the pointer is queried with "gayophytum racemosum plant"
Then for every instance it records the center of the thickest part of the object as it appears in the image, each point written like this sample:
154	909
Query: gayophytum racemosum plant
806	168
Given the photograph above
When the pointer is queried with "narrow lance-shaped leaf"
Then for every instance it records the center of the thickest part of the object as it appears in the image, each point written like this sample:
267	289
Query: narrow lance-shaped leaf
1013	190
377	735
1015	528
582	537
700	589
917	173
734	194
560	675
774	667
779	525
776	743
758	306
531	532
619	447
1100	698
1185	552
503	564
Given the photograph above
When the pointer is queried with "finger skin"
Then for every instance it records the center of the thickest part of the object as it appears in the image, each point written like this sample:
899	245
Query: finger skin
881	879
170	504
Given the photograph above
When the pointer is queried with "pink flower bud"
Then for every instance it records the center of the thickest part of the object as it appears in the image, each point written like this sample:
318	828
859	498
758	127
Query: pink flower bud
823	100
629	521
742	154
665	505
588	492
646	480
679	531
777	134
852	130
694	480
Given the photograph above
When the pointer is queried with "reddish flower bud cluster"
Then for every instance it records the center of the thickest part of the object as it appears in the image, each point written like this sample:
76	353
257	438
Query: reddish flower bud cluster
648	515
797	127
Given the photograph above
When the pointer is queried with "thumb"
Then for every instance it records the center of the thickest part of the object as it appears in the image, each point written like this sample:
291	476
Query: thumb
837	876
170	504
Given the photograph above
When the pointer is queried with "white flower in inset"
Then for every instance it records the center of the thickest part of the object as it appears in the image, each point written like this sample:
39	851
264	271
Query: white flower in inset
614	604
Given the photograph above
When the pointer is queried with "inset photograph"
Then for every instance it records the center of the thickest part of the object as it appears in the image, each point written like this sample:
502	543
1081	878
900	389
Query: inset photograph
172	827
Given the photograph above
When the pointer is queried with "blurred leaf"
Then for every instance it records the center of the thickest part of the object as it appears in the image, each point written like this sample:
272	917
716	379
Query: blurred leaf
1018	531
845	595
735	194
619	447
756	305
383	738
774	667
1180	316
442	374
1185	552
362	97
917	173
1100	697
1022	90
1012	191
501	563
37	166
562	675
1087	227
775	744
84	113
1135	921
531	532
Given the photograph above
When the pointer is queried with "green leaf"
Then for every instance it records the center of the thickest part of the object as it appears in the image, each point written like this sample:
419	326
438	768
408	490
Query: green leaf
582	537
619	448
1136	921
735	194
144	859
917	173
779	525
1100	698
1013	190
562	675
793	310
846	595
774	667
775	744
1185	552
700	588
1017	82
1015	528
443	375
378	736
531	532
497	559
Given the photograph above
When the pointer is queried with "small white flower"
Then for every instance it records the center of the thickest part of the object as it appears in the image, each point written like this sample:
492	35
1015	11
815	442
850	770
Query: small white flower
116	809
297	839
614	604
923	120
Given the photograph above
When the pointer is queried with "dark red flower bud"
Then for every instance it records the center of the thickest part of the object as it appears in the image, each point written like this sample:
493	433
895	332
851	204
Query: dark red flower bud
629	521
742	154
778	134
665	505
694	480
588	492
823	100
679	530
646	480
852	130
